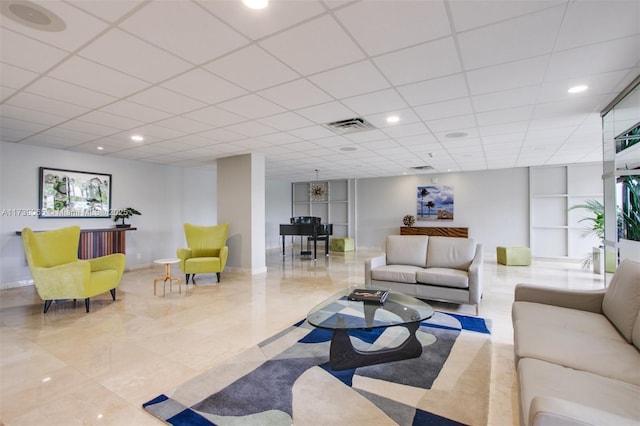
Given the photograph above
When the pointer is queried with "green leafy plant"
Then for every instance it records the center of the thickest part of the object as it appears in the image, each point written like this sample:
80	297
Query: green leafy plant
125	213
631	210
596	228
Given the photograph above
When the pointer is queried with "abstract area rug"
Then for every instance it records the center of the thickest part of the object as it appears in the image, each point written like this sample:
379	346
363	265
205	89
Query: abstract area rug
287	380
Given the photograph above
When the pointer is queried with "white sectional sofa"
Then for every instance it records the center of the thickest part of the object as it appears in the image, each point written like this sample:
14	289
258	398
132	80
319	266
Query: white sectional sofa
436	268
577	352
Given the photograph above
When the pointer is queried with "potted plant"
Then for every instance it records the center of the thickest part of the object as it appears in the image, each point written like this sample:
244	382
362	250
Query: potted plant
596	228
123	214
629	241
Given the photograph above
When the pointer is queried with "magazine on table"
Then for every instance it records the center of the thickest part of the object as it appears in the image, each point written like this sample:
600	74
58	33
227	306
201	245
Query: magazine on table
368	295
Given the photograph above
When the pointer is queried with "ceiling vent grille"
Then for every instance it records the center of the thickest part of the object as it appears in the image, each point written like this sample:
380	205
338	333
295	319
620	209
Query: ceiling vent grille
421	168
351	125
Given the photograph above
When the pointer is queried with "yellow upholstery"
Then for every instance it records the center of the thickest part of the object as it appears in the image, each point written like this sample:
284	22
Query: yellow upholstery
207	251
57	273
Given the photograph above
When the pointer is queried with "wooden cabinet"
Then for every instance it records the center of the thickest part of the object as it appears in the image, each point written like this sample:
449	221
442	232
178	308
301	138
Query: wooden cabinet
443	231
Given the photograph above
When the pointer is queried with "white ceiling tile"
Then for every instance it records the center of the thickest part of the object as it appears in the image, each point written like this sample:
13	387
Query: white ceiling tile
119	50
222	135
366	136
79	27
166	100
19	128
85	73
504	116
502	129
109	11
215	116
185	29
286	121
52	107
153	133
6	92
256	24
296	94
49	141
115	121
613	55
70	93
135	111
406	130
371	103
436	90
204	86
505	99
452	123
327	113
427	141
405	116
251	106
472	134
598	84
588	22
351	80
41	57
445	109
15	77
315	46
279	138
429	60
375	25
512	40
513	75
89	128
313	132
469	14
183	124
251	129
240	68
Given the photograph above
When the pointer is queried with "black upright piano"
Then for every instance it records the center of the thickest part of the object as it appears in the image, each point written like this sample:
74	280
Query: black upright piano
308	226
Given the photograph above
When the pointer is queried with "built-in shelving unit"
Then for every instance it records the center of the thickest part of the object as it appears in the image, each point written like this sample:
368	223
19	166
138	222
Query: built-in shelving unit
556	231
333	207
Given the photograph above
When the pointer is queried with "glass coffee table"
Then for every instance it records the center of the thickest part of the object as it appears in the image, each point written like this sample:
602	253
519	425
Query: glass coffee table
341	315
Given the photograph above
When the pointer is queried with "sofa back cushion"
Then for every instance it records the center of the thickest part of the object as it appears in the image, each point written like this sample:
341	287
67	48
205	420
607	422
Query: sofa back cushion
451	252
407	250
621	302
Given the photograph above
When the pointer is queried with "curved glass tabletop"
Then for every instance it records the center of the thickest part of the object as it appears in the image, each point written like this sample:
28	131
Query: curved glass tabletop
337	312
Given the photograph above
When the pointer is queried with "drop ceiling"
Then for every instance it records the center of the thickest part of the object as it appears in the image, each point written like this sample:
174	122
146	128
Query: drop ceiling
476	85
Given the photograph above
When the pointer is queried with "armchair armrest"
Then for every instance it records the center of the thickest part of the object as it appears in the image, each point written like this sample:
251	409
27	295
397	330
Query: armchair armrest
112	261
475	276
62	281
583	300
371	264
224	253
183	254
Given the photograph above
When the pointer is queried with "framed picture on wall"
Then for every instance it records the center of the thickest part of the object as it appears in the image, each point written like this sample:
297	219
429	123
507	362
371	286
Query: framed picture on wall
435	202
72	193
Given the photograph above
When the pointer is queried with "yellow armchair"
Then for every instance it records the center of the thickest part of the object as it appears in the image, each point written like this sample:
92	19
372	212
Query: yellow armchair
57	272
207	251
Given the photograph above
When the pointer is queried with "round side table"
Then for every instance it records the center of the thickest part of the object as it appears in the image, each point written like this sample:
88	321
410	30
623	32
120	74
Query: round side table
167	276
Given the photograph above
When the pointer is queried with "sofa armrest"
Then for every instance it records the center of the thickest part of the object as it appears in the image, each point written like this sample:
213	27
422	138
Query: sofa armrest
583	300
475	276
549	411
371	264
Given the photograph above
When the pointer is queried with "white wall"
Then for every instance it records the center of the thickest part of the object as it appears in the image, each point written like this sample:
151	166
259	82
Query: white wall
493	204
278	210
166	195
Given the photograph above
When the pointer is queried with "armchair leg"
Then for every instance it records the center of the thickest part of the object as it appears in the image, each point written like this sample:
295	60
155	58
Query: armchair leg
187	278
47	304
86	304
113	293
218	274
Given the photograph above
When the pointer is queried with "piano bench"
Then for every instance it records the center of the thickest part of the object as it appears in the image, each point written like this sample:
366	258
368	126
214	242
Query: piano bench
342	244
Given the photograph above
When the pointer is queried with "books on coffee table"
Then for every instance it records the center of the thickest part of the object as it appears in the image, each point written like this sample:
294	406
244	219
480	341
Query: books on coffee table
368	295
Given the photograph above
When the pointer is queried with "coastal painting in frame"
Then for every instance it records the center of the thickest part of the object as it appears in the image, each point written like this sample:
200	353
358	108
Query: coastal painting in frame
71	193
435	202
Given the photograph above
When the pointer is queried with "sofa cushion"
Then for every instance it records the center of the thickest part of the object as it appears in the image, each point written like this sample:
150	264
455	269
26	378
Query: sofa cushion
450	252
407	250
396	273
565	318
443	277
635	335
621	302
574	349
587	398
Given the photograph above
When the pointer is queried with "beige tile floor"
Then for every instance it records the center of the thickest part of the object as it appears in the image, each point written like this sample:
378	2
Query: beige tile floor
67	367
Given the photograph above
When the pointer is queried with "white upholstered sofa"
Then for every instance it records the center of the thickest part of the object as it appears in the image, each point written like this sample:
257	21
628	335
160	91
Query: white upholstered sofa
577	352
437	268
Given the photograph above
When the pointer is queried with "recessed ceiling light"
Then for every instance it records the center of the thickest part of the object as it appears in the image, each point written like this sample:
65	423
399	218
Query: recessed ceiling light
454	135
137	138
578	89
99	148
256	4
393	119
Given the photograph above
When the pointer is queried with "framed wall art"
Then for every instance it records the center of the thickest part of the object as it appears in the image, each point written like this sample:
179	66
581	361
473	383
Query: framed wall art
435	202
72	193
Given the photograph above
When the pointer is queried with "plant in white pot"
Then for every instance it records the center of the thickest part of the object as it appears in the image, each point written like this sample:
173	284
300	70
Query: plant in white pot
596	228
123	214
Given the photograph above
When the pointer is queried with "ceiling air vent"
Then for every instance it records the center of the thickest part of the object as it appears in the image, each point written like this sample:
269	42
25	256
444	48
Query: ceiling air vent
421	168
351	125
